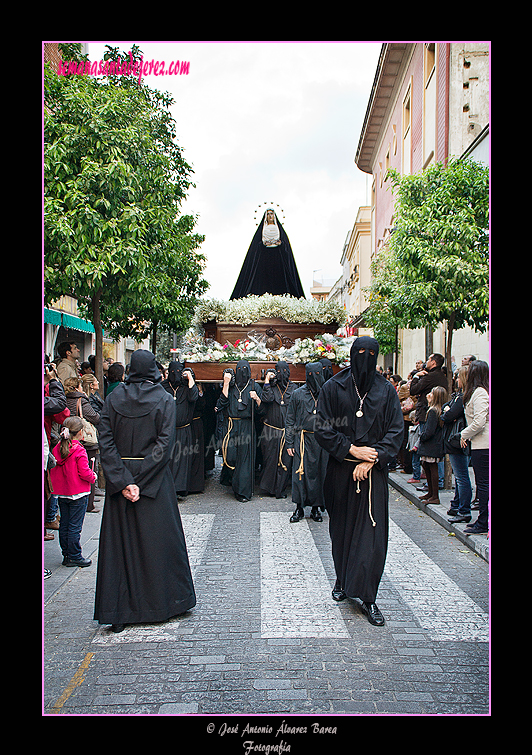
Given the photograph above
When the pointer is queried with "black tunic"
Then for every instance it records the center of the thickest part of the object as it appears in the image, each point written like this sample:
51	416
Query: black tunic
268	269
276	463
310	460
185	400
358	548
143	568
239	440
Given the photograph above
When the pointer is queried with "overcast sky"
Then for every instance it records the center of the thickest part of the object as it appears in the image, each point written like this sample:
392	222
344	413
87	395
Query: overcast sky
272	122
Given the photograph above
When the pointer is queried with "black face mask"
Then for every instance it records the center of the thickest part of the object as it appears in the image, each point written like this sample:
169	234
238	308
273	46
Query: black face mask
243	373
314	377
175	374
364	365
282	373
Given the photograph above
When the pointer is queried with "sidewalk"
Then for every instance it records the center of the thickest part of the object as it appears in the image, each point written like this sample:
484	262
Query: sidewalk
477	543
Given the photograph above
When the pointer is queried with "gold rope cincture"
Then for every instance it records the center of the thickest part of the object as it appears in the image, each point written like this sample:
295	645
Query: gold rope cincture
225	441
369	492
301	469
281	445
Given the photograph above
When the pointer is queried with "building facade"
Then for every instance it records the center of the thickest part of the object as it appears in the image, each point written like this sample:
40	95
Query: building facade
429	101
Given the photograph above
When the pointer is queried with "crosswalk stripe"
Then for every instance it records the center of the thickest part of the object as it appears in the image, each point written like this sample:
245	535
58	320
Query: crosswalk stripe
295	591
440	606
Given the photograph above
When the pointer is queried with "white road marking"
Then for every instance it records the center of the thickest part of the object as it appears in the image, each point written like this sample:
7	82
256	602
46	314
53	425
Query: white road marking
197	528
440	606
295	591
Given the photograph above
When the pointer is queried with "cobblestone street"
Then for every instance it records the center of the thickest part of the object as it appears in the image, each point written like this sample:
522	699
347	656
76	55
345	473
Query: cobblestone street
265	637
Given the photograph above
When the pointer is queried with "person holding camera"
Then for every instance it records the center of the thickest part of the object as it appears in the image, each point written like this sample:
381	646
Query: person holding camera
276	462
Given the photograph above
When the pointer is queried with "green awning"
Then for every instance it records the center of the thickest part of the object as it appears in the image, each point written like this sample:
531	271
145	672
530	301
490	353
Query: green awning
52	316
76	323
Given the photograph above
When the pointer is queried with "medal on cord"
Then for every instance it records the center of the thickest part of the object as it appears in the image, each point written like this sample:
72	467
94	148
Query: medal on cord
359	413
241	391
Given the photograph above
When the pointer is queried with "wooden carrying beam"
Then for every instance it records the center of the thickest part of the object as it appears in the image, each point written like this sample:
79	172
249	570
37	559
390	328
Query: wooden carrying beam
212	372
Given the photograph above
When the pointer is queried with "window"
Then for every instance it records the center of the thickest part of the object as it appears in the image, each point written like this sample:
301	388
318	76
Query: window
407	131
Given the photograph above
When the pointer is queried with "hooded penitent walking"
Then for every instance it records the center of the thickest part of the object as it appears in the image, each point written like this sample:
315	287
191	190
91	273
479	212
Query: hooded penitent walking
143	568
276	462
238	401
309	458
181	386
361	427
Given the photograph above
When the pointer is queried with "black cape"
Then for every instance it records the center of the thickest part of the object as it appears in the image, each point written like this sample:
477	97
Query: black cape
143	573
310	460
268	270
276	463
358	548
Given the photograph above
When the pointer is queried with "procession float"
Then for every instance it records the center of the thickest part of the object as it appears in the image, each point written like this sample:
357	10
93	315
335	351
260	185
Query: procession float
266	319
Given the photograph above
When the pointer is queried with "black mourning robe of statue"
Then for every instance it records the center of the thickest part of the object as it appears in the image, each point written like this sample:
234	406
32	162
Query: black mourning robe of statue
276	463
185	401
309	463
358	523
143	573
268	269
240	438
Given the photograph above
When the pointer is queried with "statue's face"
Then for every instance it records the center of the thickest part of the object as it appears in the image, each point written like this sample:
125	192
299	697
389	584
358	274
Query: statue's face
270	216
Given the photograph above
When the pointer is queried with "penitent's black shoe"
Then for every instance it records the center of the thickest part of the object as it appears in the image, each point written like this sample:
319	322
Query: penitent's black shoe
315	514
373	614
118	628
297	515
338	593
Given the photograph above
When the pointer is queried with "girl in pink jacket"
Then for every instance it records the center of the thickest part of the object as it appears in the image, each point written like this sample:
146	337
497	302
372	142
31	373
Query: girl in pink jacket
71	480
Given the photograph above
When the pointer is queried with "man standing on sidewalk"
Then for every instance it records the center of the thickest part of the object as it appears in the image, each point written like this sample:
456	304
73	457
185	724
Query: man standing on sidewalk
360	425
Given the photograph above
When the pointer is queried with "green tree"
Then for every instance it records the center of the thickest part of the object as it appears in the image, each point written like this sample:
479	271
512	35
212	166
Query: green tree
437	266
114	181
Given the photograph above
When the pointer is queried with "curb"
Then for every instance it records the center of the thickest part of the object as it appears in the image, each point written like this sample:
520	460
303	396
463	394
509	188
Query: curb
477	543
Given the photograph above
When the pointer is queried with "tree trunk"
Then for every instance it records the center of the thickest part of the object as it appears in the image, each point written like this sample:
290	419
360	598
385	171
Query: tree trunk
96	321
154	337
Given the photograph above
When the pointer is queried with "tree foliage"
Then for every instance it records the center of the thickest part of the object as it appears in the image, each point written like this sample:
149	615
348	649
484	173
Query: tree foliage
114	180
436	268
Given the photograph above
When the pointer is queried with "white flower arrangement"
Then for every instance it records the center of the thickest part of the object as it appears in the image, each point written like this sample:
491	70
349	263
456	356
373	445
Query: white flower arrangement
335	348
252	308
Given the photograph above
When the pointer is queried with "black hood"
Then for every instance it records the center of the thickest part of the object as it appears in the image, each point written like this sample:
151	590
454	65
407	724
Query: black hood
242	373
282	373
363	366
143	367
142	389
314	377
175	373
327	368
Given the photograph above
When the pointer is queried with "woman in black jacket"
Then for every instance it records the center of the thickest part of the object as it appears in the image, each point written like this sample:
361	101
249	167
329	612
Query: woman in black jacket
431	442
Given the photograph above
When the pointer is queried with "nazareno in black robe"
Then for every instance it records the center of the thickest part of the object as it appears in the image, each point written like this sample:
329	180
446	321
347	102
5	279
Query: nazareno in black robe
358	547
143	573
268	269
309	463
276	463
185	401
239	440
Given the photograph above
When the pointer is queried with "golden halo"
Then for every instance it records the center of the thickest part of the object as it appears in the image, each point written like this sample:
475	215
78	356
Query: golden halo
261	208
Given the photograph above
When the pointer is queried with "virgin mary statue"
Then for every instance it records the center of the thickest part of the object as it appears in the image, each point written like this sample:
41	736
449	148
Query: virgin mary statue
269	266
